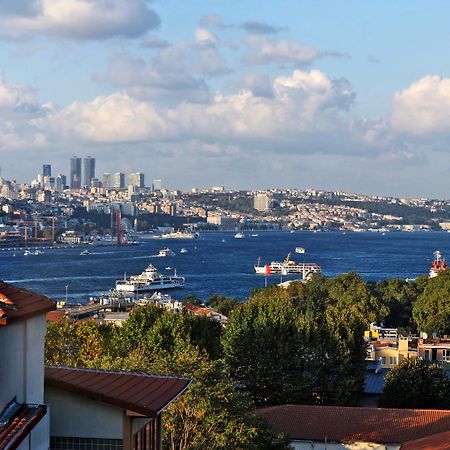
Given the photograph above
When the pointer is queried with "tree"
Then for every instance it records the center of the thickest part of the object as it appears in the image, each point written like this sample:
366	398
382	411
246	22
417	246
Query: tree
416	384
223	305
431	311
282	351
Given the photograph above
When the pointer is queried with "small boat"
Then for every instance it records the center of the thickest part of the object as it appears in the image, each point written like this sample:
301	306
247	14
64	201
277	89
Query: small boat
166	252
85	252
183	250
223	240
255	235
168	268
239	236
299	250
26	253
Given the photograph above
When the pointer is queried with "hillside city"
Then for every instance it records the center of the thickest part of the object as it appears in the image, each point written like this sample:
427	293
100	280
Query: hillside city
57	204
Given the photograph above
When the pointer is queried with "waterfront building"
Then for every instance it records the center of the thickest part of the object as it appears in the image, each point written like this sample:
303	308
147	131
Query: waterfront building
89	171
47	170
75	172
119	180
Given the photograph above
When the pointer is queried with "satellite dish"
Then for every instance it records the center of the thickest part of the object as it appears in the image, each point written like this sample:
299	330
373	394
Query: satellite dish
423	335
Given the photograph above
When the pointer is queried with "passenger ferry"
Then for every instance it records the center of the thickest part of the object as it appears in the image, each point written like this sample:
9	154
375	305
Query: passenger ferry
149	280
288	267
299	250
166	252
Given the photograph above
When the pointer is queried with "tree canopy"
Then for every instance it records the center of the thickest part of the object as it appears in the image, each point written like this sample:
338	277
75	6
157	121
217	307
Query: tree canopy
416	384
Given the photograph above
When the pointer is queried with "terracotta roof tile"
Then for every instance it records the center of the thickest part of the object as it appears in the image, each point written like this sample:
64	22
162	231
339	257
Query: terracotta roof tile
345	424
139	392
16	422
440	441
19	304
55	316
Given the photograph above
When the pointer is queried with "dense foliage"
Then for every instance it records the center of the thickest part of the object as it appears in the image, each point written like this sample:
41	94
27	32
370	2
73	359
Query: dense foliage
303	344
416	384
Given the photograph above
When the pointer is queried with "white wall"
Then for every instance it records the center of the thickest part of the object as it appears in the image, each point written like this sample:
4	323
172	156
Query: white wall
72	415
314	445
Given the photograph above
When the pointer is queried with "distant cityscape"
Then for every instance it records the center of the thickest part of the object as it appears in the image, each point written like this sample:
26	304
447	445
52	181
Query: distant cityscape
50	206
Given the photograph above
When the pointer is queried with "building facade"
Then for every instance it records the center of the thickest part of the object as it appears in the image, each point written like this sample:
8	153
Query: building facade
89	171
75	172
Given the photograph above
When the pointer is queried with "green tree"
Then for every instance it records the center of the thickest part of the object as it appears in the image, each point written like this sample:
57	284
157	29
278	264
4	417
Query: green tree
223	305
282	351
431	311
416	384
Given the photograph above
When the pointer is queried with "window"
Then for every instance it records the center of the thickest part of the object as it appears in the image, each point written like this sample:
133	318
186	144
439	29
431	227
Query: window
427	355
383	360
392	360
446	354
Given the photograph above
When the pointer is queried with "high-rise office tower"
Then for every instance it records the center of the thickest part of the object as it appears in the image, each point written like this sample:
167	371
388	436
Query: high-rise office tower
75	172
106	181
137	179
157	185
119	180
47	170
89	170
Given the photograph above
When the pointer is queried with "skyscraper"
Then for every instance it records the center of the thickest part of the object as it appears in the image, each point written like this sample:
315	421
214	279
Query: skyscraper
106	181
47	170
89	170
119	180
157	185
137	179
75	172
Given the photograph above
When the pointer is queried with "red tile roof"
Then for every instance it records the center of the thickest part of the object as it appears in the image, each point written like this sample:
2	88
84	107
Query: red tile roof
344	424
19	304
56	316
16	422
139	392
440	441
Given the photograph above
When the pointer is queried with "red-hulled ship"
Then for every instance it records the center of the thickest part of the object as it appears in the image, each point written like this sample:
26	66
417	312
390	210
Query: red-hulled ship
439	264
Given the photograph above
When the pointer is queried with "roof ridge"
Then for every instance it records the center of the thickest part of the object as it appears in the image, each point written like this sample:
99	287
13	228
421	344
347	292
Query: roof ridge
118	372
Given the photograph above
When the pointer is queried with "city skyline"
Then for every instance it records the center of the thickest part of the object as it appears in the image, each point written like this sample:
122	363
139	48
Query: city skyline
342	96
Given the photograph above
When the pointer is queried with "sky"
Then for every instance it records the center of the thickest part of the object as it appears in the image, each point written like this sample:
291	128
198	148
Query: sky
256	94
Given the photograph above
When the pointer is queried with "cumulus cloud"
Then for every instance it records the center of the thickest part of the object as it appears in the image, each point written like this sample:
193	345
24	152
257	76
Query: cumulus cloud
79	19
261	50
205	37
423	107
258	84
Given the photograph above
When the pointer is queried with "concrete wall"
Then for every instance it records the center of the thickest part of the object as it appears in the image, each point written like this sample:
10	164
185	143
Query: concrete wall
312	445
22	371
72	415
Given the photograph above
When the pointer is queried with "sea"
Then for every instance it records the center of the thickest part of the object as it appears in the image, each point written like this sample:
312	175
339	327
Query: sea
218	263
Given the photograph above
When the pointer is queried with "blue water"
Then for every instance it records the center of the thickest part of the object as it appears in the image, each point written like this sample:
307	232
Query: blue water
212	266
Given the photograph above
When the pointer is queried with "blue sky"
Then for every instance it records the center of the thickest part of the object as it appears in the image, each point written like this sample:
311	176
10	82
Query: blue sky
346	95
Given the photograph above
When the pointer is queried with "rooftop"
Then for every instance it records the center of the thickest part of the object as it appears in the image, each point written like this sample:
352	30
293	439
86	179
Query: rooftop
142	393
351	424
20	304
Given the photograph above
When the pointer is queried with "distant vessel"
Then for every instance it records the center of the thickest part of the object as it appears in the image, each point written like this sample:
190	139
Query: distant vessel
26	253
183	250
85	252
166	252
439	264
299	250
255	235
239	236
179	235
149	280
288	267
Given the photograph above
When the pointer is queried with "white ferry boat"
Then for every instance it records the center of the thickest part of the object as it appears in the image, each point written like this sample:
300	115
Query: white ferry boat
439	264
288	267
166	252
149	280
180	235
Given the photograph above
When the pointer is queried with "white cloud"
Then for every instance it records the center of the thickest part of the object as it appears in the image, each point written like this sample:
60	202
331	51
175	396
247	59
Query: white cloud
81	19
205	37
262	50
423	107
